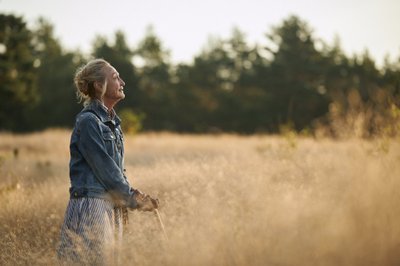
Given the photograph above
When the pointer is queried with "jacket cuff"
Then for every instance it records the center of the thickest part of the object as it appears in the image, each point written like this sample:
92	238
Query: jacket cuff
132	203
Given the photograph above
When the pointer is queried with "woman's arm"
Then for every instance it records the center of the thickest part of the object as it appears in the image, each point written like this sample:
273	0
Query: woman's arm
93	148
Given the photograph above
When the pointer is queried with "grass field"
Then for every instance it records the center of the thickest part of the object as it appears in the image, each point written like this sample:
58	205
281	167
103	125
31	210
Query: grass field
225	199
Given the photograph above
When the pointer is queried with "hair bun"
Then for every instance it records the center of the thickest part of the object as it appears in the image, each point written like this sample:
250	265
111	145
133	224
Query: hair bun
80	82
84	88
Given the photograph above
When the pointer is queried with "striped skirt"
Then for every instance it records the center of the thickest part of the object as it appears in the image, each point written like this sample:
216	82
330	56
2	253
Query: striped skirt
91	233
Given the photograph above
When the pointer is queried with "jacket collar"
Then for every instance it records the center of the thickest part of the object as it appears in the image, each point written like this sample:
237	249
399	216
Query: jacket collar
102	112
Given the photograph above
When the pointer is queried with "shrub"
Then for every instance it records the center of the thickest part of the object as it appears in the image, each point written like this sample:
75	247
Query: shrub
131	121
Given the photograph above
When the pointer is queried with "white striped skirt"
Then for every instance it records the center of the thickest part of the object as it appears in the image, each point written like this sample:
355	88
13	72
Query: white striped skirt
91	233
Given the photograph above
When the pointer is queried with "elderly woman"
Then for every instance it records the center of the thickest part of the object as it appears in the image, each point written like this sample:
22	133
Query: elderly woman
100	193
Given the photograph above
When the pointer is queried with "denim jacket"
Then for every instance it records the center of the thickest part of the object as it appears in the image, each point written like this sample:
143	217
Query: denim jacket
97	150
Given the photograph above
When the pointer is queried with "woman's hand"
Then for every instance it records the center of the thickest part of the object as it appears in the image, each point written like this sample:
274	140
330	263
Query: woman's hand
145	202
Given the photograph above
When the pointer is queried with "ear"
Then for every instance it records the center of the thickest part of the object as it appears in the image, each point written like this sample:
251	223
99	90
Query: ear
98	86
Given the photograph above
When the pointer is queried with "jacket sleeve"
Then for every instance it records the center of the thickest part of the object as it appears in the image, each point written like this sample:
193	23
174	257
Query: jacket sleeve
93	148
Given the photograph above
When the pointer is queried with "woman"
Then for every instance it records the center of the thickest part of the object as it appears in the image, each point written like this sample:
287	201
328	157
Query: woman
100	193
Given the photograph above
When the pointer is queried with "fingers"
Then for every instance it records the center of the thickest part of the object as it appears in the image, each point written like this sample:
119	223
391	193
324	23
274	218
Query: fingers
154	202
146	203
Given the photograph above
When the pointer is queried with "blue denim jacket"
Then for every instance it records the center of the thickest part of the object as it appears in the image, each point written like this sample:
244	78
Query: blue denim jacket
97	150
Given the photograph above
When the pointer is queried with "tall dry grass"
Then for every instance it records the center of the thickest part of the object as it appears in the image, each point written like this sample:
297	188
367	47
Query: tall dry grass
225	200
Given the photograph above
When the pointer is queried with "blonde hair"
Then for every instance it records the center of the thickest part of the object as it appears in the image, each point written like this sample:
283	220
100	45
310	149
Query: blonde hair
85	78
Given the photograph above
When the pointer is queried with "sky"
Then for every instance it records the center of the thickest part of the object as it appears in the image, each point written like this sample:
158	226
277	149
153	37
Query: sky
184	26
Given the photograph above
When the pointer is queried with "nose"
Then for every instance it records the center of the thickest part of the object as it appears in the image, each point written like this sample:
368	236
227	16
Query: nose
122	82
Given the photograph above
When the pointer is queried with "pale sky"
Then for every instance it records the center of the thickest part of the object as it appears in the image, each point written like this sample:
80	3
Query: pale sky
184	26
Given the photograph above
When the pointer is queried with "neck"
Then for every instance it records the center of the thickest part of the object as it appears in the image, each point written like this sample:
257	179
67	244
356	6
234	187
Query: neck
109	104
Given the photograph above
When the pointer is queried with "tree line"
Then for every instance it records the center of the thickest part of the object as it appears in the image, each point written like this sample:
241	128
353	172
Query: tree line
296	81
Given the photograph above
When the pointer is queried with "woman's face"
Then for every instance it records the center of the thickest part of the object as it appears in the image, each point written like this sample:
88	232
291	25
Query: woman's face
114	86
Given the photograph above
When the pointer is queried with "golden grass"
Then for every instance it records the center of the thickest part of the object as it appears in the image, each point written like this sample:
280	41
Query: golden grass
225	200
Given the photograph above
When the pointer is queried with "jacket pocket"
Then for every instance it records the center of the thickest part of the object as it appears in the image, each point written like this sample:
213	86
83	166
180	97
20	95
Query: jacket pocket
109	140
120	140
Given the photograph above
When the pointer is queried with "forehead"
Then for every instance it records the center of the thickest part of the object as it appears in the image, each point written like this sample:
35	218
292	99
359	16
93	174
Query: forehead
110	70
